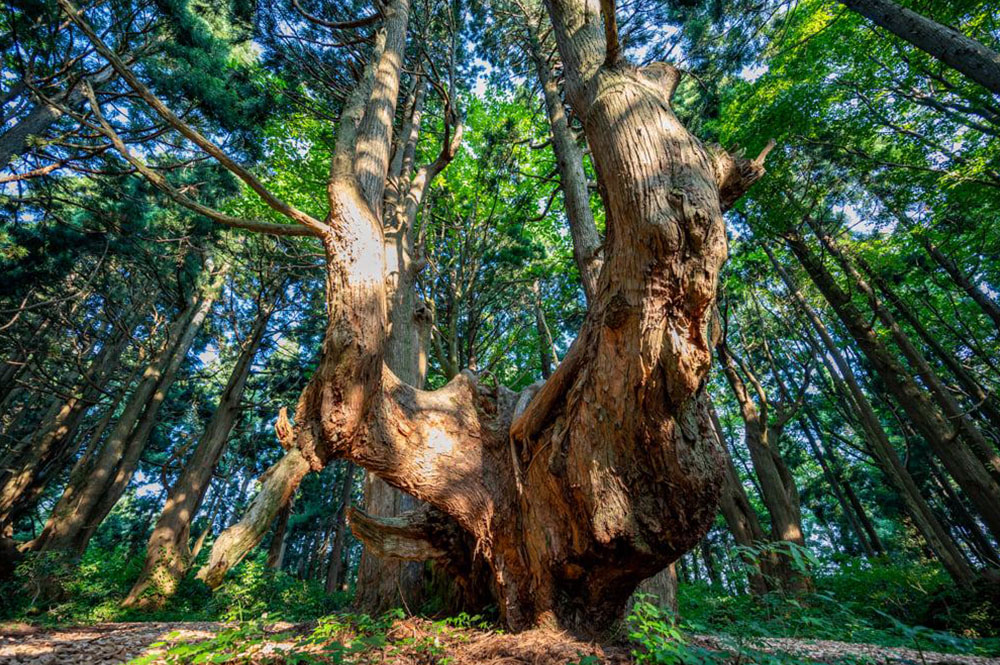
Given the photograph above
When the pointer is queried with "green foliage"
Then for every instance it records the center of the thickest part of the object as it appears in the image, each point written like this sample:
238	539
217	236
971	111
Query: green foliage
254	590
51	589
659	639
891	605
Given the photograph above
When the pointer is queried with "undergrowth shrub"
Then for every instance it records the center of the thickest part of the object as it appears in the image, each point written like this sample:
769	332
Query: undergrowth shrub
49	588
878	603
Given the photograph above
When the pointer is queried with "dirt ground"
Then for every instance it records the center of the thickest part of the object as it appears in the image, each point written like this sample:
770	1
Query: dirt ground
104	644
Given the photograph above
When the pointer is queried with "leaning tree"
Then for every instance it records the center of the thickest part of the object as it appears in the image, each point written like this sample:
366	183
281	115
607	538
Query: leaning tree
573	491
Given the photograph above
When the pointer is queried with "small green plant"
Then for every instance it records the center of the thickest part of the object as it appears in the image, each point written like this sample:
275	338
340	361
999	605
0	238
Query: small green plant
660	640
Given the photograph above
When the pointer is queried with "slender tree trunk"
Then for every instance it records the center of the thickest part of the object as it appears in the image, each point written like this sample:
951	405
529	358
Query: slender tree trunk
46	450
12	367
989	306
710	565
950	408
336	563
569	162
943	439
279	539
941	42
927	523
836	486
740	516
88	498
977	540
168	556
546	354
779	495
985	403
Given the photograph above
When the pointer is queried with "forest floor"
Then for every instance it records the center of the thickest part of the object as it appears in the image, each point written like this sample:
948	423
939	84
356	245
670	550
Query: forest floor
407	642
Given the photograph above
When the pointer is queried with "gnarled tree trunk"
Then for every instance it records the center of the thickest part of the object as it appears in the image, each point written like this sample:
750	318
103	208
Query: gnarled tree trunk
611	471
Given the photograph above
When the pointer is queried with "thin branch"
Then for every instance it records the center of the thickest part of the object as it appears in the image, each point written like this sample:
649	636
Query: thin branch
336	25
612	45
189	132
161	183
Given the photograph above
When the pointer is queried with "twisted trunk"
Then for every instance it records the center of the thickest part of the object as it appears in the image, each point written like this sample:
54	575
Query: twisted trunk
611	470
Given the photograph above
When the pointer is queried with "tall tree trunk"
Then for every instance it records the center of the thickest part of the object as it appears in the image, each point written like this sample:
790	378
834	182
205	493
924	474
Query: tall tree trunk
955	415
569	163
335	566
546	349
837	487
47	449
927	523
985	403
974	536
740	516
168	556
709	558
778	491
941	42
90	496
961	463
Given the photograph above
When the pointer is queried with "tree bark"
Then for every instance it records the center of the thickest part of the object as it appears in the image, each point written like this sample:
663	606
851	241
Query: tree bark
663	587
168	555
941	42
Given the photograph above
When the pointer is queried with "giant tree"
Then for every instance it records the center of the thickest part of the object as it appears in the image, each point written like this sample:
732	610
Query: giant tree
575	492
